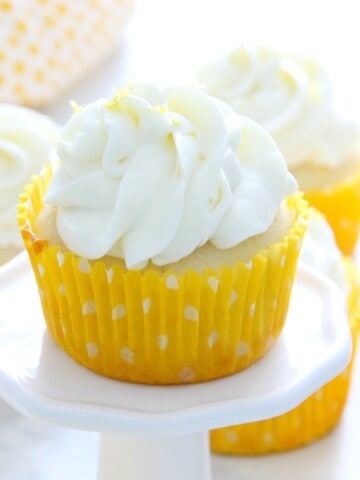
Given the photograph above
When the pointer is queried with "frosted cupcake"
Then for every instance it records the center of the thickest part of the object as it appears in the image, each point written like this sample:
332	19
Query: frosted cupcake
291	97
317	415
166	244
27	143
46	45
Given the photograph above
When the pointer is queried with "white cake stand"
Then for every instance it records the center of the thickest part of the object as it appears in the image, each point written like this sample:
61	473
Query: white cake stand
161	432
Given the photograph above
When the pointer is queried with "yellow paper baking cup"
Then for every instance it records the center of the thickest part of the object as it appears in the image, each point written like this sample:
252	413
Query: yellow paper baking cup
46	45
341	207
312	419
147	327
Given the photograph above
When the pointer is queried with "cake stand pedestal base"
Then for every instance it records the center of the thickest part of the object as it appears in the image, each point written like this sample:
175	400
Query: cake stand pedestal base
135	457
152	432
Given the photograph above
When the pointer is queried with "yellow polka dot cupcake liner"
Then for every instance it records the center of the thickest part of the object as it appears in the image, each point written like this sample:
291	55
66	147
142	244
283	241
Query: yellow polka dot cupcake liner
311	420
147	327
46	45
341	207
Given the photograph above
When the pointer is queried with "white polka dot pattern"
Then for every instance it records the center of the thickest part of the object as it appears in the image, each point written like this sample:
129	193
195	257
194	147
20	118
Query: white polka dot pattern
47	44
110	275
213	283
233	298
268	437
127	355
119	311
191	313
41	270
270	342
89	308
242	349
231	436
84	266
212	338
172	282
187	374
147	305
92	349
162	341
60	259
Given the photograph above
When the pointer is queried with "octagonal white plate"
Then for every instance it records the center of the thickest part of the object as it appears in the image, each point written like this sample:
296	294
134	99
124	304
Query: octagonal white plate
41	381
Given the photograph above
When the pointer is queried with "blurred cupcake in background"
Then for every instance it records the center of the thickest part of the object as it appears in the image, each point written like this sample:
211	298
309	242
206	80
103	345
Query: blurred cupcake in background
291	97
46	45
318	414
27	142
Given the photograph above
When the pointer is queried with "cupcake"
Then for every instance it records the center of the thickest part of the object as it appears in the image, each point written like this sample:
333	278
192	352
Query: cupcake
291	97
165	244
27	142
319	413
46	45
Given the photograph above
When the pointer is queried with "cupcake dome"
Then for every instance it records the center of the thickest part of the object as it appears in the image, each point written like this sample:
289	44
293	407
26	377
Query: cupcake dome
164	252
45	45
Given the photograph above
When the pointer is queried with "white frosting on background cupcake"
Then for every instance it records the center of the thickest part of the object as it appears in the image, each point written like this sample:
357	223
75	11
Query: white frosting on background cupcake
319	250
154	173
288	95
27	142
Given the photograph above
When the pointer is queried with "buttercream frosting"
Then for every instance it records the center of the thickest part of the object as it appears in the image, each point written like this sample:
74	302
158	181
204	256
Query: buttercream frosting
290	96
153	173
27	141
320	251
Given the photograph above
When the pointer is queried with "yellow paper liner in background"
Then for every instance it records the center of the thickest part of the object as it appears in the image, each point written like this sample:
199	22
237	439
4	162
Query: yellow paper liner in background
140	326
341	207
312	419
47	45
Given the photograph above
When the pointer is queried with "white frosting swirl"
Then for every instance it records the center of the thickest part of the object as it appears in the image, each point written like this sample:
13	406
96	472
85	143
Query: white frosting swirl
288	95
27	142
155	173
319	250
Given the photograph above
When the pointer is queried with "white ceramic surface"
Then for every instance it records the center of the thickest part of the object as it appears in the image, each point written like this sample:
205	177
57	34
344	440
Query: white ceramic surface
41	381
30	449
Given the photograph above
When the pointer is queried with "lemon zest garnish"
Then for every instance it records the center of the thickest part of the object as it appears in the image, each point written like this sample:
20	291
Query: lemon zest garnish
214	202
287	78
160	109
114	103
76	107
176	122
240	57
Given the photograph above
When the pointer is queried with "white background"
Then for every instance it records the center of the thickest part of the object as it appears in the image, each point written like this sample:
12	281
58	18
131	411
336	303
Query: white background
166	41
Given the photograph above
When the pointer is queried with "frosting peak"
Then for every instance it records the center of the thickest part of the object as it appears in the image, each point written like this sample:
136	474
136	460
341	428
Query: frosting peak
152	174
